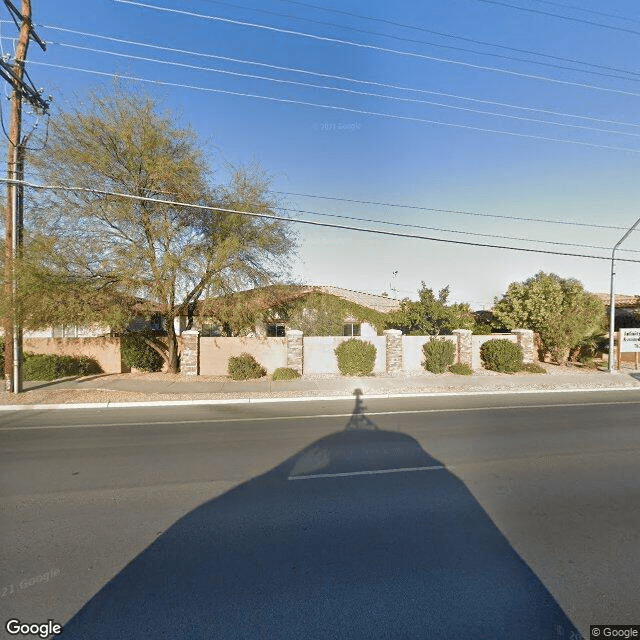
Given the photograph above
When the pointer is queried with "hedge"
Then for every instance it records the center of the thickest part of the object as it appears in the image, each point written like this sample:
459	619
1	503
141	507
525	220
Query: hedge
285	373
438	355
461	369
502	355
355	357
44	367
137	354
245	367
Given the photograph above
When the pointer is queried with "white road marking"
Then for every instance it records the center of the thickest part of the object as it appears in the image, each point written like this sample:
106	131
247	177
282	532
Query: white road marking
366	473
314	416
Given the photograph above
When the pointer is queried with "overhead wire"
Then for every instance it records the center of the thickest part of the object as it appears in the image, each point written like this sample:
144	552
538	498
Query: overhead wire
422	56
556	15
427	43
341	89
341	108
4	130
583	9
447	35
96	191
337	77
468	233
454	211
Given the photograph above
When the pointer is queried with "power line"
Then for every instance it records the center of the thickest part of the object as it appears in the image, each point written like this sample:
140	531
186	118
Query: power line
455	211
342	90
128	196
4	130
596	13
556	15
346	109
339	77
467	233
377	48
456	37
430	44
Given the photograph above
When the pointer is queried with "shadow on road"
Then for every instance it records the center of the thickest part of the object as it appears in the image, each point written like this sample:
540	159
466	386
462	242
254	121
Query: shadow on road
32	386
362	534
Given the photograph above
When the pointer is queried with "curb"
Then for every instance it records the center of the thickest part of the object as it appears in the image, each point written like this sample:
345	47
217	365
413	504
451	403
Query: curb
224	401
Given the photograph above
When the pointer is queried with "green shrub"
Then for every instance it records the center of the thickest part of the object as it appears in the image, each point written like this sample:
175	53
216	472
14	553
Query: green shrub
502	355
589	363
481	329
461	369
137	354
51	367
355	357
438	355
285	373
245	367
532	367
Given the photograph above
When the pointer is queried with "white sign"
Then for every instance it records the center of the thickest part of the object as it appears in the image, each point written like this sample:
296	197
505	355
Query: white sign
629	340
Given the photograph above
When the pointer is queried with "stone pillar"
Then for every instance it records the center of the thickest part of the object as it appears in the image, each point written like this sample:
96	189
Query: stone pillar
394	350
190	359
465	346
294	350
526	341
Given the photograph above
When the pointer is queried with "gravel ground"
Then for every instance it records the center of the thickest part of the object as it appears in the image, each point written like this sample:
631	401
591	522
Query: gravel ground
556	378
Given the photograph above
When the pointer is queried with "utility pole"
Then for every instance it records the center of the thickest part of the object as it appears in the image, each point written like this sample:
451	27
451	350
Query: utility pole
15	172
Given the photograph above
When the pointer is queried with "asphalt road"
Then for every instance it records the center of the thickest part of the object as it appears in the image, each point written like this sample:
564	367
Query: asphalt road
504	516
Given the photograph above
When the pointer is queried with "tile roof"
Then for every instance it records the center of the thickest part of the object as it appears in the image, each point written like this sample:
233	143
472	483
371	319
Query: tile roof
369	300
622	300
262	299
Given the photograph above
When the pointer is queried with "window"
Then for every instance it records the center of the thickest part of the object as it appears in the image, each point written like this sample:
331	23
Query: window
209	330
351	329
275	330
65	331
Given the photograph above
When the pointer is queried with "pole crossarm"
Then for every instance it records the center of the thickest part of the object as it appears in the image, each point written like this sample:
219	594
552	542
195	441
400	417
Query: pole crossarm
18	17
27	91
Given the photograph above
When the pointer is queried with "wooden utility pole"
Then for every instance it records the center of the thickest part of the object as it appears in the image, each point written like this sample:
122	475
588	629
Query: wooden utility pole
13	216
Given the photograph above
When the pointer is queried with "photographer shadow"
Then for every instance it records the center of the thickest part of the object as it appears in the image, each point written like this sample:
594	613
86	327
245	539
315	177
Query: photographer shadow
362	534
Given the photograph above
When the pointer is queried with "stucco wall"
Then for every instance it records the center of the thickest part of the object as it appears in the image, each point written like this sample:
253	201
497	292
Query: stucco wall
105	350
319	357
271	353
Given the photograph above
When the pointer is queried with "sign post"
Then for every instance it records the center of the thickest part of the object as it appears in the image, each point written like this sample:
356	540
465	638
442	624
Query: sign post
629	342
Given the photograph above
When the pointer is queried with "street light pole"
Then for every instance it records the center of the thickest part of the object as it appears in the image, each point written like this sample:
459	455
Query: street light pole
395	274
612	297
16	249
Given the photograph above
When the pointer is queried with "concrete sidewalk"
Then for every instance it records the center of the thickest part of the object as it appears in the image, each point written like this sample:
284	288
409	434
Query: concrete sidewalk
163	389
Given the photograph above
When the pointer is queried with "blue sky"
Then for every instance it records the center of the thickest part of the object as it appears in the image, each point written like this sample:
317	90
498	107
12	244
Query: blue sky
569	62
